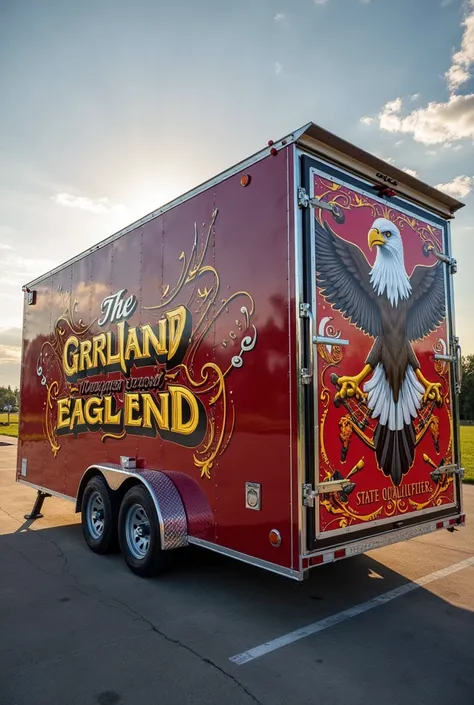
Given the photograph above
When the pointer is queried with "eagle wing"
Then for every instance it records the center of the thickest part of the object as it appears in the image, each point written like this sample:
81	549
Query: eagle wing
427	304
343	274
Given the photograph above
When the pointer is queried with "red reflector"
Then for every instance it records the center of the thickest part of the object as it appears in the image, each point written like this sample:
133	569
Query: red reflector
452	521
340	553
439	525
316	560
461	519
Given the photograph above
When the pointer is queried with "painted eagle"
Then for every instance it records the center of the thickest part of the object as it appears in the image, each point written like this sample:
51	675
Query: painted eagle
395	310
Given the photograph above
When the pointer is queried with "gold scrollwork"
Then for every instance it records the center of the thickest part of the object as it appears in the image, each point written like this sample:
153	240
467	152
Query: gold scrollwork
207	381
347	199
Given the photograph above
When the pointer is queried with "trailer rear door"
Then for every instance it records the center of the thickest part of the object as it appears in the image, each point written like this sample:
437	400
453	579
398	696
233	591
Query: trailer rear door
381	395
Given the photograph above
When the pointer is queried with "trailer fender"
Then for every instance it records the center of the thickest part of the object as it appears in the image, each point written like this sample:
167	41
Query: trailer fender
200	518
169	506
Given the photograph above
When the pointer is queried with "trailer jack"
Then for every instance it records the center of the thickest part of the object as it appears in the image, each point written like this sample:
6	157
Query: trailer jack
38	505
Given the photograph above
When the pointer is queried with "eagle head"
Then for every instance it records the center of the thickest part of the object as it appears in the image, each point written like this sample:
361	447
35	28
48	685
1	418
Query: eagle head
384	233
388	275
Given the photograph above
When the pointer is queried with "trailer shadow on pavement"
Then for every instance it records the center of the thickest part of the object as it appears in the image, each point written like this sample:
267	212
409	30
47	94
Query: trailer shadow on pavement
80	628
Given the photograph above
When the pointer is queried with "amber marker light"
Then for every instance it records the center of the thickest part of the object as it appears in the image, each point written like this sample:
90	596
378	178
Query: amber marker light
245	180
275	538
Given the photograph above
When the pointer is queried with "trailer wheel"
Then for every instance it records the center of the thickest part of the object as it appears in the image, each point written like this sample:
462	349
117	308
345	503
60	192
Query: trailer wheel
99	512
139	534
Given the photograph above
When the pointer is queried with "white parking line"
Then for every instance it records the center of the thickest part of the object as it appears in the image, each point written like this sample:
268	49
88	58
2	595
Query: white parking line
315	627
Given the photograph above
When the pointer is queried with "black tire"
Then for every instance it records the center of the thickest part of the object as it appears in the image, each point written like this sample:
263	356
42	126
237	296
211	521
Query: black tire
97	493
142	554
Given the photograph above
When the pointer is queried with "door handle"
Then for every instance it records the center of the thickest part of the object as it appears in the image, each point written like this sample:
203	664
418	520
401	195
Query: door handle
308	372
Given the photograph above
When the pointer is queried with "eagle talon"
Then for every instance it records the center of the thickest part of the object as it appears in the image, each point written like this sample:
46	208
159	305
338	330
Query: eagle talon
433	393
432	389
349	387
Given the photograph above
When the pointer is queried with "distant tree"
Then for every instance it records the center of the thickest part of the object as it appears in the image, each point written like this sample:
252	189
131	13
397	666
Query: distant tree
7	397
466	399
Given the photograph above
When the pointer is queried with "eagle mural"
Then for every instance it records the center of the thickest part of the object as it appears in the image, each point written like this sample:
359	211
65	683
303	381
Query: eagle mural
395	310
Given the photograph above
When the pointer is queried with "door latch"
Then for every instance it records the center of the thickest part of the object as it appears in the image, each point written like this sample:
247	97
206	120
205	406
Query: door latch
329	487
304	201
447	470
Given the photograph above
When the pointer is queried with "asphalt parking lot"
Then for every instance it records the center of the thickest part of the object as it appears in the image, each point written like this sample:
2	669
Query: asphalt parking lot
80	629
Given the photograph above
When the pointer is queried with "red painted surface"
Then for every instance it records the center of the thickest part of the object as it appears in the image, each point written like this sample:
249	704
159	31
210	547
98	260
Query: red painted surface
375	497
248	263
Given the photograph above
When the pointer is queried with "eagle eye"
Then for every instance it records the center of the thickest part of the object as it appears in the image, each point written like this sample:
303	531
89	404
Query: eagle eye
387	233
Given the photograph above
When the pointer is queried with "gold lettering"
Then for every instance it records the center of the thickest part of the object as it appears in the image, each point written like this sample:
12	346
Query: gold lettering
112	359
98	345
132	403
70	362
93	416
85	361
121	345
77	416
161	415
133	345
178	396
367	496
158	342
176	323
63	411
111	419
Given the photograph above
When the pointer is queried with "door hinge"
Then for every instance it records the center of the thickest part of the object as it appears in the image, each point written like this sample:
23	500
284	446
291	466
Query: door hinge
305	310
329	487
447	470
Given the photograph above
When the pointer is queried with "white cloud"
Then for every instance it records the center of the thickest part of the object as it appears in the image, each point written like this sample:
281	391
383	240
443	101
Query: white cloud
279	17
459	187
16	270
10	354
278	68
320	2
367	120
99	205
10	337
412	172
435	124
5	247
440	122
459	71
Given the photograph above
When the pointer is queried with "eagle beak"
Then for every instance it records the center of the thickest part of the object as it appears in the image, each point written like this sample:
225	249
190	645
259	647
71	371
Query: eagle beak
375	238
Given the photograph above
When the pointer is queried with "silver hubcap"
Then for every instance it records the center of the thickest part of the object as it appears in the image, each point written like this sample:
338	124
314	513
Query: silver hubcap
95	515
137	531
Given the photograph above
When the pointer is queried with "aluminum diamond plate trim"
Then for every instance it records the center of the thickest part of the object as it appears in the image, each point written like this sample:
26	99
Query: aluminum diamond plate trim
173	515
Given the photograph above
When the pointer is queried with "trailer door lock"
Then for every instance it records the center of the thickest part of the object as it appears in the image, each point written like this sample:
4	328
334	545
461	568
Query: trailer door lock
304	201
329	487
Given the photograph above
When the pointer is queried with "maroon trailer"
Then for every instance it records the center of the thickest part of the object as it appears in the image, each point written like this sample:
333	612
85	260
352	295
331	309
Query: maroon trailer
266	367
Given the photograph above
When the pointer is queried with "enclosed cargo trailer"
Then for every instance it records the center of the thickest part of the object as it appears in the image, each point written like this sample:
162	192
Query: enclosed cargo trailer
266	367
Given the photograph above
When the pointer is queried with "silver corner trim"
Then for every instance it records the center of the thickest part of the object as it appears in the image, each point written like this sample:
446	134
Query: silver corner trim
40	488
245	558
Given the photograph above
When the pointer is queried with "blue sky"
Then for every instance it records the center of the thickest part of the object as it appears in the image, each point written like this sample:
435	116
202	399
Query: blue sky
111	108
